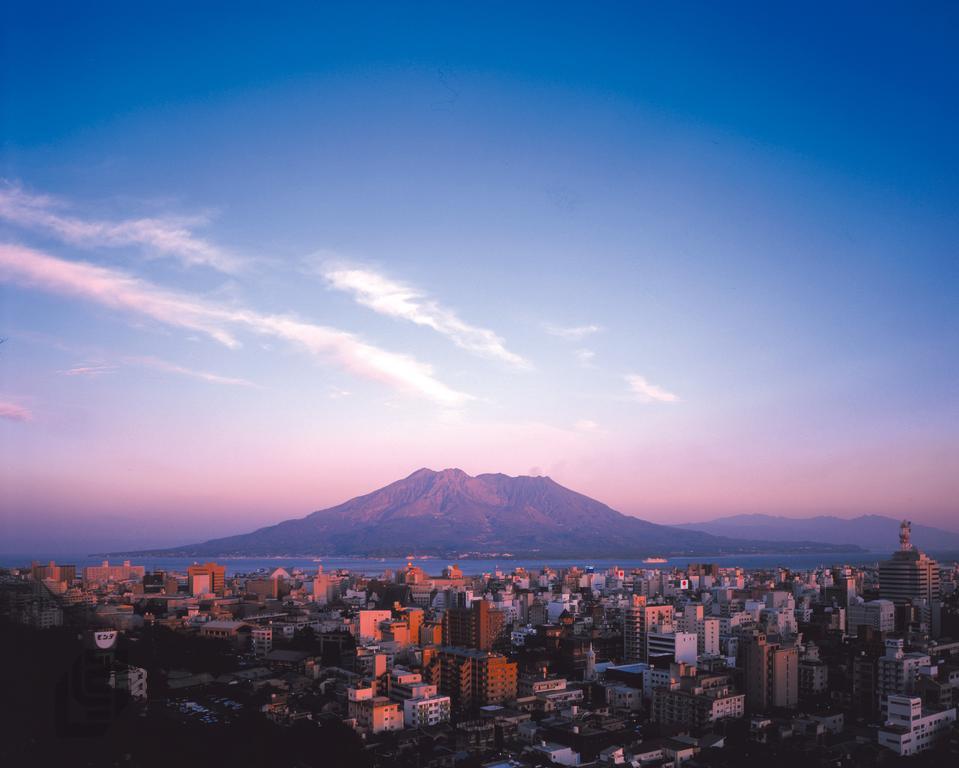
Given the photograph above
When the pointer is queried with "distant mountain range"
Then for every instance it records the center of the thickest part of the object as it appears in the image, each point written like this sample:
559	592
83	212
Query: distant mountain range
875	533
451	513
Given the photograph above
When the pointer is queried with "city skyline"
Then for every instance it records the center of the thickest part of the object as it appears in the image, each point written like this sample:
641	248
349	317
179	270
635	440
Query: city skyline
250	269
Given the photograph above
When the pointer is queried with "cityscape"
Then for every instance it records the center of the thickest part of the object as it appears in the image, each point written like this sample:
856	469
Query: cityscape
479	385
429	665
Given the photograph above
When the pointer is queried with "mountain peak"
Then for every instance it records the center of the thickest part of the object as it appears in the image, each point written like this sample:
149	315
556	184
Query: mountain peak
427	472
449	511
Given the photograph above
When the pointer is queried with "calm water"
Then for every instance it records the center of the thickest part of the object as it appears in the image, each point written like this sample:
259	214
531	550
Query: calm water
433	566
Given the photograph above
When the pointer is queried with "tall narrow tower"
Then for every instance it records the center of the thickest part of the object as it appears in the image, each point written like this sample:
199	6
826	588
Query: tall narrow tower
590	674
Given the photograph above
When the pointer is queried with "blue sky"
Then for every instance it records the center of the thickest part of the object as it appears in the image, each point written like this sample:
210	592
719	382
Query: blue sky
691	261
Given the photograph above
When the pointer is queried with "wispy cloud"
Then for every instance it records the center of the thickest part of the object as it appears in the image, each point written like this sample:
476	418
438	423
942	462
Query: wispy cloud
573	333
166	236
94	370
88	370
121	291
168	367
14	412
646	392
395	299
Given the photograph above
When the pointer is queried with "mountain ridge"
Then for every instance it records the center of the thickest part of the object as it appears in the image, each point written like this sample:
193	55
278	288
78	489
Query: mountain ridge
876	533
451	512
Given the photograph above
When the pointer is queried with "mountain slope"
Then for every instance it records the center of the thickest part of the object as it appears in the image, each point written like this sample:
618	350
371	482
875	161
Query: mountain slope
873	532
451	512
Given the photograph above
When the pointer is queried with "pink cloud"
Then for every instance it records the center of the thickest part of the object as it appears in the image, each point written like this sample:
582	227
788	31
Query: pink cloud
121	291
14	412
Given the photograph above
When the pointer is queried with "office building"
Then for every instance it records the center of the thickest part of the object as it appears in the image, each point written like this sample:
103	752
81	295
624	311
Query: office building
909	575
208	578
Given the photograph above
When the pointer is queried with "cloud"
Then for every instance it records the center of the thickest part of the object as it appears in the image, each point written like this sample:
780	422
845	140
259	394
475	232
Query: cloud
14	412
168	367
113	289
649	393
120	291
98	369
90	369
395	299
574	333
168	236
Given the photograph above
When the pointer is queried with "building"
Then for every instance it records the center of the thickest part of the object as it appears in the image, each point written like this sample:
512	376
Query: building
475	626
770	673
205	579
131	680
639	621
697	707
910	729
367	625
909	575
373	714
236	632
473	678
106	572
533	685
897	671
53	571
427	711
264	589
813	677
262	640
680	647
548	753
880	615
41	614
409	685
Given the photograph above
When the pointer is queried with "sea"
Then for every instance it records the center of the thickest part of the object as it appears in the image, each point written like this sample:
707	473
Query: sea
373	566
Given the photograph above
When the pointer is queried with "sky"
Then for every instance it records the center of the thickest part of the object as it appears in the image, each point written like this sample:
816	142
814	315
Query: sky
692	261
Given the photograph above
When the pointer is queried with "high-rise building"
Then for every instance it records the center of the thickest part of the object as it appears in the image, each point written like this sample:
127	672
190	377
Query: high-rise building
473	678
641	619
205	579
475	626
897	670
909	575
770	673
